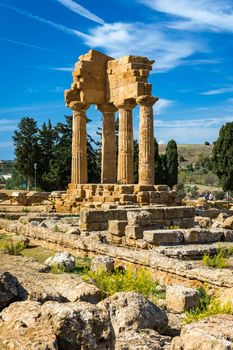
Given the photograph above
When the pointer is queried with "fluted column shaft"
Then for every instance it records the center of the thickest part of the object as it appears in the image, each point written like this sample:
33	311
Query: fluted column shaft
79	144
146	140
108	160
125	143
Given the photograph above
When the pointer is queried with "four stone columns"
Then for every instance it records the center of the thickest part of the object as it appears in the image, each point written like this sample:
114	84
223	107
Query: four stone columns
108	160
79	144
125	143
146	140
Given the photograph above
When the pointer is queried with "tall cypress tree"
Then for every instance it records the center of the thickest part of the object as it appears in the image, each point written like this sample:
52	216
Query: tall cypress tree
26	148
223	157
172	163
160	176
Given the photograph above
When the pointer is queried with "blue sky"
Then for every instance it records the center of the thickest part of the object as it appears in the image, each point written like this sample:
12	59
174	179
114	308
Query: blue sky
190	40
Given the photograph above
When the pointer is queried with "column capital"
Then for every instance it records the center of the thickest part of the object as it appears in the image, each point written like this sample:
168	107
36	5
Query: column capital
78	106
146	100
128	104
106	108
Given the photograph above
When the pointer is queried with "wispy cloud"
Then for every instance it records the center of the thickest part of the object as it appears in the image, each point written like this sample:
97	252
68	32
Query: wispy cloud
31	90
45	21
6	145
119	39
57	89
24	44
82	11
162	105
220	91
215	15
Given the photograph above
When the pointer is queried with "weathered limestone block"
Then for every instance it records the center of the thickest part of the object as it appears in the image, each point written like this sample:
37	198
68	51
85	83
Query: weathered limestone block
21	328
116	227
212	333
127	198
131	242
196	235
135	232
202	221
131	310
141	340
173	213
180	298
88	216
102	262
228	223
160	237
142	218
157	213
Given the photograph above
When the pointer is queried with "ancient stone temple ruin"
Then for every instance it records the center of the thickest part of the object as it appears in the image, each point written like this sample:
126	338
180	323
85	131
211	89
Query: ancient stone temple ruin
113	85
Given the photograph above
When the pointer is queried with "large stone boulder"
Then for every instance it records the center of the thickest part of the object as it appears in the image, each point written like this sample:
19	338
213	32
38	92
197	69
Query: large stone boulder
64	260
21	328
213	333
73	291
78	325
180	298
8	289
132	311
141	340
102	262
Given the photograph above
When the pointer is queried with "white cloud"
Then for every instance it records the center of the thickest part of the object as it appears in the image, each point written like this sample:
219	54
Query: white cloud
119	39
161	142
218	91
162	105
31	90
82	11
216	15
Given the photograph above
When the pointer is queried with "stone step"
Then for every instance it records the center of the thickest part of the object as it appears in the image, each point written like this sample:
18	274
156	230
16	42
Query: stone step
192	251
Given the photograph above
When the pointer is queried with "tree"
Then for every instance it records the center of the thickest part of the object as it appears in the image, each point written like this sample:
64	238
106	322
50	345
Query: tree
46	137
160	171
223	157
59	168
172	163
135	160
26	148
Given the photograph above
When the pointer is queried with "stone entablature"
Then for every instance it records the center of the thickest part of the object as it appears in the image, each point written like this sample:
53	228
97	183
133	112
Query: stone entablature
113	84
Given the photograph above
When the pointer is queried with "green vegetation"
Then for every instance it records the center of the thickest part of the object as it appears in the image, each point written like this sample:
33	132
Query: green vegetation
208	307
118	281
172	163
219	260
37	252
223	157
12	248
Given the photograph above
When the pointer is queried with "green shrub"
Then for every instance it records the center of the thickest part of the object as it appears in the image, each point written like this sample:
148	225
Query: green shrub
219	260
12	248
139	280
57	269
25	210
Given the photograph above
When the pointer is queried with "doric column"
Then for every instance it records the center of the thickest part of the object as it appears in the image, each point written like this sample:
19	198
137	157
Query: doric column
108	160
125	142
79	144
146	140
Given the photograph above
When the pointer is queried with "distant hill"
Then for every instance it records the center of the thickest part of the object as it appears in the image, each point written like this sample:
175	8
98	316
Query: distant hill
190	153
